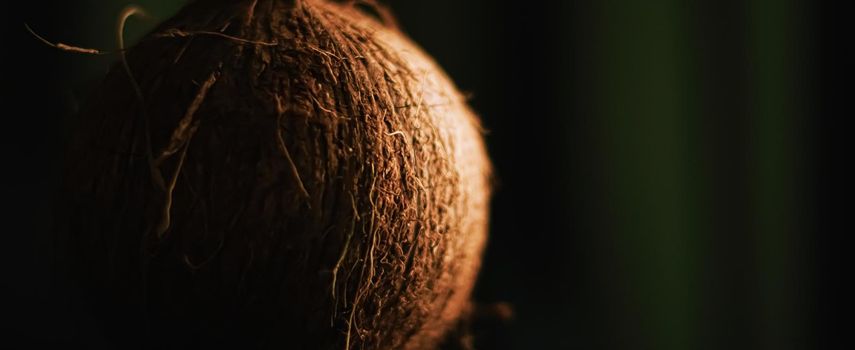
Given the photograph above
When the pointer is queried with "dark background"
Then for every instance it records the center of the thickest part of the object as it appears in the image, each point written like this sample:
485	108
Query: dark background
664	180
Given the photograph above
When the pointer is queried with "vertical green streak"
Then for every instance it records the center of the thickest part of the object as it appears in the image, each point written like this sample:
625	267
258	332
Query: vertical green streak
772	45
643	109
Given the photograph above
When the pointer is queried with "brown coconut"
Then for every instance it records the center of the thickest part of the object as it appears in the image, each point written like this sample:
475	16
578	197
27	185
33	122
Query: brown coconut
290	174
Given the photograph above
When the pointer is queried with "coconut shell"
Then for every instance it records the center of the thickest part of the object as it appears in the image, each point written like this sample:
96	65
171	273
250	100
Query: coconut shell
290	174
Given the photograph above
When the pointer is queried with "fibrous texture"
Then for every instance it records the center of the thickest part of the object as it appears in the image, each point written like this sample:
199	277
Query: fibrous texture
277	174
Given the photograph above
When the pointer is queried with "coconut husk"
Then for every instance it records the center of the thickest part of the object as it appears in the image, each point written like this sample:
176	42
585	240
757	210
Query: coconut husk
291	174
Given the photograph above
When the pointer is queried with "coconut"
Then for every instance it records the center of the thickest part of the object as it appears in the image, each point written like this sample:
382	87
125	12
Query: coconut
270	173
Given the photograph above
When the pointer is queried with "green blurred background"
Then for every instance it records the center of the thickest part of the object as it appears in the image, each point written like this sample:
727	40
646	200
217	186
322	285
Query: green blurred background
656	165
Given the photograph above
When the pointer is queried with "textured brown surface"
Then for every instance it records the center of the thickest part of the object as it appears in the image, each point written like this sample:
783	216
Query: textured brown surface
294	175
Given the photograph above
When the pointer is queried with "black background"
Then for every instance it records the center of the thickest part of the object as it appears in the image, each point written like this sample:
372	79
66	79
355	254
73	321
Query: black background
532	73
